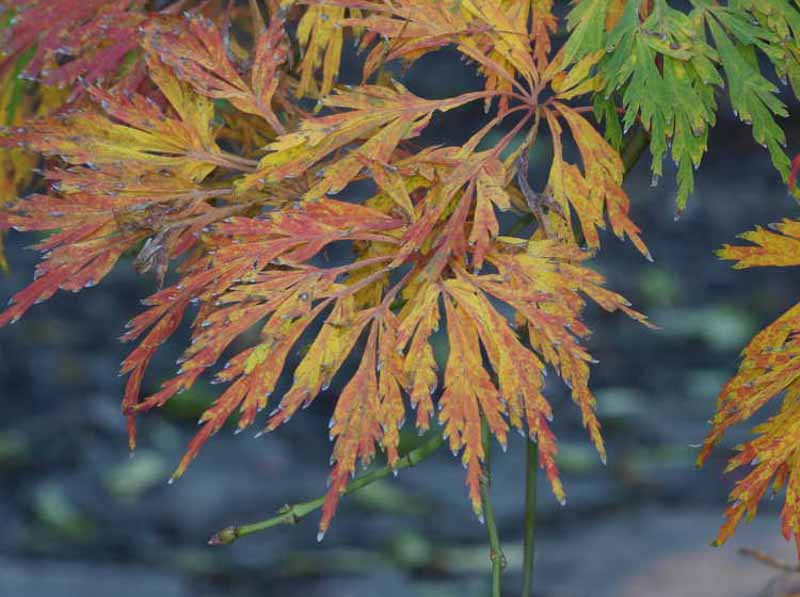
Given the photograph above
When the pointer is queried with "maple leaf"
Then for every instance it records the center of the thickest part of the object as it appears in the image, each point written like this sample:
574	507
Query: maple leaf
321	35
31	50
195	50
386	115
777	35
96	217
142	136
754	98
664	64
51	46
544	25
669	89
95	34
596	191
17	104
232	305
491	34
770	367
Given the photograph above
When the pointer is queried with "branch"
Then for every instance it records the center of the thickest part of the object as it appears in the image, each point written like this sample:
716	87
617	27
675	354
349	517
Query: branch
529	536
769	560
631	151
496	554
295	513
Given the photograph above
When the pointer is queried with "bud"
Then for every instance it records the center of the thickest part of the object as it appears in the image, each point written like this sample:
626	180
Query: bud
224	537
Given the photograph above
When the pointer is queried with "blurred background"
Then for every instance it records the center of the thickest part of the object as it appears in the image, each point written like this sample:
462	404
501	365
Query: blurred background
79	517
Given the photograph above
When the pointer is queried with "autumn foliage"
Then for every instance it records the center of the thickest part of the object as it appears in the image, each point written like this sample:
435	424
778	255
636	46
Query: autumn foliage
214	142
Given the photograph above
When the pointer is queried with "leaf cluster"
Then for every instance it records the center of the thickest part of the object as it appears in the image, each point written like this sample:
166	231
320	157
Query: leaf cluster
217	144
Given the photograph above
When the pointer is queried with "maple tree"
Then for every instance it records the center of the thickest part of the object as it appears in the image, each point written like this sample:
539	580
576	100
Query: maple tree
216	139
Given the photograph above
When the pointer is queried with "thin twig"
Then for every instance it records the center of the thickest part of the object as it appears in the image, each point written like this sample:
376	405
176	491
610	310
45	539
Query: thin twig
532	449
496	554
294	513
769	560
536	201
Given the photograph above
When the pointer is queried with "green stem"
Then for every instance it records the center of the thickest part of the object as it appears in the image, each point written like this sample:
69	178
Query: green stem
496	554
531	471
631	151
294	513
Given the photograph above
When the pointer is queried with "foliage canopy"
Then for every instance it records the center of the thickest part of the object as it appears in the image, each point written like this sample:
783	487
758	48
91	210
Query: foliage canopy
215	139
